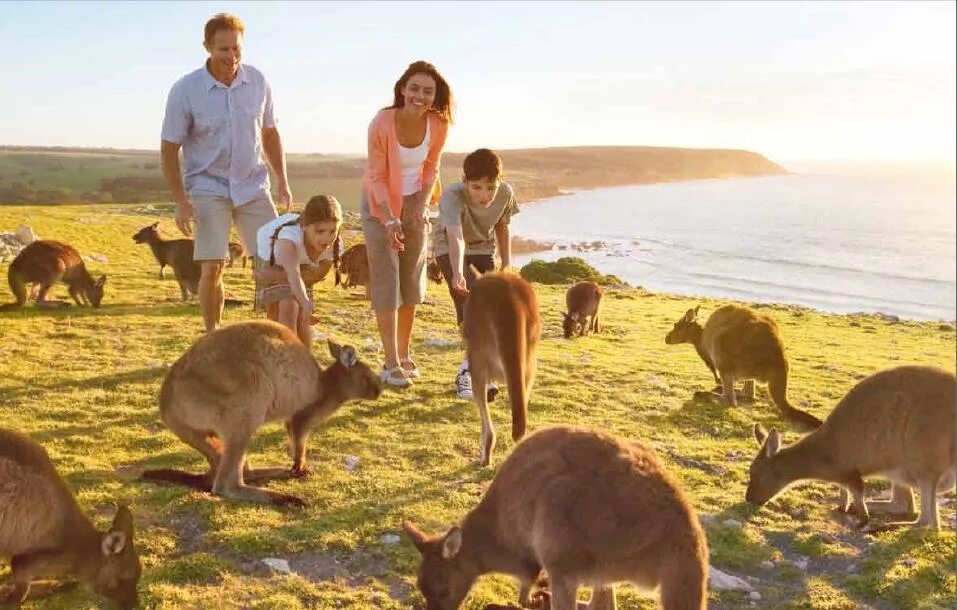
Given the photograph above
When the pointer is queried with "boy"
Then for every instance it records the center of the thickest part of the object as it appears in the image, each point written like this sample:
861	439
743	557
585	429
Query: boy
469	212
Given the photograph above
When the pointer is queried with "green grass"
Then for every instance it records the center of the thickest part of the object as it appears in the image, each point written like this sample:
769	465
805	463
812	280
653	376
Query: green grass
84	383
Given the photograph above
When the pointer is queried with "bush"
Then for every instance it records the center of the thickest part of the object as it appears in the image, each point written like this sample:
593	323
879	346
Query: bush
566	270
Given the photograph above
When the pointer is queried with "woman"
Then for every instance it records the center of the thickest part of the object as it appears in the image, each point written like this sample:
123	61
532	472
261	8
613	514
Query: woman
399	183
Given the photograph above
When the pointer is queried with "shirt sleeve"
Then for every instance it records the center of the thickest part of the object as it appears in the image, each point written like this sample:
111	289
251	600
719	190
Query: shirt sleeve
511	206
177	120
269	119
450	208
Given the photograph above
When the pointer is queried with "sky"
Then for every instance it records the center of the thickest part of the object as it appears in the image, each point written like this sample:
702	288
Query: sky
801	81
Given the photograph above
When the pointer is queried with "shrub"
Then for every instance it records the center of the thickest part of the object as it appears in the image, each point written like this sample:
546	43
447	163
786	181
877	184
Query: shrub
566	270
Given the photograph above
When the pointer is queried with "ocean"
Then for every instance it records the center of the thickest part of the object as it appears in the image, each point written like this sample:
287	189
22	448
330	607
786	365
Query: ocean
838	241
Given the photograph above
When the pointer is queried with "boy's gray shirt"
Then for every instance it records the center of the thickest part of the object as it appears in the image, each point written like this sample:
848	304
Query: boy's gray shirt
478	224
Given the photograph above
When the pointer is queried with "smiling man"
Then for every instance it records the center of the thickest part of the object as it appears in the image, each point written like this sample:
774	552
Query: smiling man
221	115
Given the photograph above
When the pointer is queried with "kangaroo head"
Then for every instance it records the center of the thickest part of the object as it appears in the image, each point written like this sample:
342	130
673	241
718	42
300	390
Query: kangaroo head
765	481
95	292
147	234
569	324
434	272
686	330
355	378
120	569
443	579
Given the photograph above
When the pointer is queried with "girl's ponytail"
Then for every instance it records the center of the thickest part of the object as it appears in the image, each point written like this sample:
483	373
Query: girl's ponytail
336	256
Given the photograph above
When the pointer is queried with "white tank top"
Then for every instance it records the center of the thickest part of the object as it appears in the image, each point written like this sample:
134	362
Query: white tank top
291	233
411	161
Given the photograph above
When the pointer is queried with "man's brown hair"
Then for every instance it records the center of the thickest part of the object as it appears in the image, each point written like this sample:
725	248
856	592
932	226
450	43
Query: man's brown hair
222	21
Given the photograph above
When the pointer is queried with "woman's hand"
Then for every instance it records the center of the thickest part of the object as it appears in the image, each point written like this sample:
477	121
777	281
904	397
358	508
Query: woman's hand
393	231
417	210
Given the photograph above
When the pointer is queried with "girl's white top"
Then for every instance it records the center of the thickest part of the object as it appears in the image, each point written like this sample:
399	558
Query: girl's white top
291	233
411	161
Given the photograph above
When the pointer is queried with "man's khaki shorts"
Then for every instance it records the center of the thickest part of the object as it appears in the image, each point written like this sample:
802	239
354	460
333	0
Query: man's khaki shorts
214	217
396	278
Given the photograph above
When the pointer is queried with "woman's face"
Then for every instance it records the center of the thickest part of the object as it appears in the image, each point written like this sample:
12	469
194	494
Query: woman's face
419	93
320	235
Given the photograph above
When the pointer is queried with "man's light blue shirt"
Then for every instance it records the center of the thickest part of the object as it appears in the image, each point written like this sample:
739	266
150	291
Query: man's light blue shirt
220	129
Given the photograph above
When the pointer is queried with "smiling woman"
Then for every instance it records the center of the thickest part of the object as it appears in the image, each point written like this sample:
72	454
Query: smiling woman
400	180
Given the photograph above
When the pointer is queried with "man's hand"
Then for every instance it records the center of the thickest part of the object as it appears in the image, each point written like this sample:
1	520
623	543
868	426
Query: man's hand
184	216
458	282
285	196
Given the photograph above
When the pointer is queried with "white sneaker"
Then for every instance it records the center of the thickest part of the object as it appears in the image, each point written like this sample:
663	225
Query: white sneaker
463	385
395	377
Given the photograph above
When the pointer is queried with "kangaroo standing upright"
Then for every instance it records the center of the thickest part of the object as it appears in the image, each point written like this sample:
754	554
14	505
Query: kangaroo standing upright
501	329
739	343
583	301
238	377
46	262
586	507
900	423
44	532
177	253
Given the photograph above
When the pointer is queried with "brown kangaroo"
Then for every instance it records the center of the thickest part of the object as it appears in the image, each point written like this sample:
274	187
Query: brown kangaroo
177	253
583	301
898	423
735	343
46	262
240	376
354	264
44	532
501	329
236	251
586	507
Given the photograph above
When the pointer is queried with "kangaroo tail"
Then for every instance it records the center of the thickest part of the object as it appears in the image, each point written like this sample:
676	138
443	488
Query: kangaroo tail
778	388
514	362
180	477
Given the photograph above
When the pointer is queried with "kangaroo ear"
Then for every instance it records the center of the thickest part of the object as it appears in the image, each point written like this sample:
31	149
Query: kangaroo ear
760	434
689	315
418	538
773	445
347	356
120	534
334	348
101	281
452	543
696	310
155	224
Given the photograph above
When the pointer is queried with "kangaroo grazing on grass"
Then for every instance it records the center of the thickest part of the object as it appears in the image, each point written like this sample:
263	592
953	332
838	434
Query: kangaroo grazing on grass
582	300
236	251
240	376
501	329
46	262
45	534
898	423
177	253
354	264
587	508
737	343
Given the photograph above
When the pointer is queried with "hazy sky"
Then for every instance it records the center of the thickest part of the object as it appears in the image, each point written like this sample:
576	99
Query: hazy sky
811	81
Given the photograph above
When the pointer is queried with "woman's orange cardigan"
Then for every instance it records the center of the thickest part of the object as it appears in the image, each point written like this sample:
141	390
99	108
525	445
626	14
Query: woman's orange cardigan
382	179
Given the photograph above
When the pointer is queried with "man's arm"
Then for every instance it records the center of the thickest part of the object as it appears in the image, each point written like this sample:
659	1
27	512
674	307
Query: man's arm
169	155
503	236
276	157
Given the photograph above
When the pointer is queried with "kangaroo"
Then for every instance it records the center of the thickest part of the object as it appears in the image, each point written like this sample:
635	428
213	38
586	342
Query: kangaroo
240	376
586	507
45	534
236	251
736	343
898	423
582	301
177	253
501	329
46	262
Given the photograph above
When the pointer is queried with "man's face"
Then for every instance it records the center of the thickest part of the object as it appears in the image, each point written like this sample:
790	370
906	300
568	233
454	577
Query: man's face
225	51
481	192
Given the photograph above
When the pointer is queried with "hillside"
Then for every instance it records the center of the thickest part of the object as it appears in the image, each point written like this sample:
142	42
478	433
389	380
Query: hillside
69	175
84	383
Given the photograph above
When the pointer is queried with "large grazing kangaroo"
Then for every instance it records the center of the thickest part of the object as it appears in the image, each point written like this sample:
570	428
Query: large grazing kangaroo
739	343
583	302
238	377
46	535
898	423
501	330
46	262
177	253
587	508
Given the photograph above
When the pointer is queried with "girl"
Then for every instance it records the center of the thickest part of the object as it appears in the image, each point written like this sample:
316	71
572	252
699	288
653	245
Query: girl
301	245
400	181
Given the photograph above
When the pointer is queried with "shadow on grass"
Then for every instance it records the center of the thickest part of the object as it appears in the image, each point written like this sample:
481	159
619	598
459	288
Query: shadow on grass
105	382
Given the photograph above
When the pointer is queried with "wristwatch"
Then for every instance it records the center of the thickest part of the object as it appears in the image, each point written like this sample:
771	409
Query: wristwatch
393	222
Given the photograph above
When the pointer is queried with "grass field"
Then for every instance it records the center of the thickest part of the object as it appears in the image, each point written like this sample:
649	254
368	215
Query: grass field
84	383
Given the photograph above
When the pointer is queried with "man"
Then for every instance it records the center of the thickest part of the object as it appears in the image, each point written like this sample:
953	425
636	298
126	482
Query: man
221	115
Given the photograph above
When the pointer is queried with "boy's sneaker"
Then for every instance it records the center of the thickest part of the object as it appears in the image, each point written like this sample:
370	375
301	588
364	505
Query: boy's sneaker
463	384
491	392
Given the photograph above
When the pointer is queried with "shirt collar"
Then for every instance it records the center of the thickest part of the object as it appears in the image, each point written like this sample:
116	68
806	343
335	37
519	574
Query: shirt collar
212	83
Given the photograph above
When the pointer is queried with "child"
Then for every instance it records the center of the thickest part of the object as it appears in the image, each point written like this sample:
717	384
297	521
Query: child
301	245
469	212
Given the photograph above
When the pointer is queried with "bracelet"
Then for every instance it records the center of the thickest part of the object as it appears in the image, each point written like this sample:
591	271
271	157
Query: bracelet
393	222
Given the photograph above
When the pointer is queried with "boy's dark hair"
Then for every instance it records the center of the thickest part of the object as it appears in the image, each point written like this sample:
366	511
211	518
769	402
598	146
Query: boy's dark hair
482	163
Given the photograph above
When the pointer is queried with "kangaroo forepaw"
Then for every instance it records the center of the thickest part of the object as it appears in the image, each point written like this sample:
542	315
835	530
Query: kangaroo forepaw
300	472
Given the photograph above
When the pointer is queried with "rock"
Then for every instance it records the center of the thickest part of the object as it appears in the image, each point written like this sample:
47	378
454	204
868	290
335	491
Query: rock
767	565
280	565
352	462
25	235
851	568
731	523
910	562
721	581
800	563
754	596
706	518
439	342
155	364
372	345
391	539
100	258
